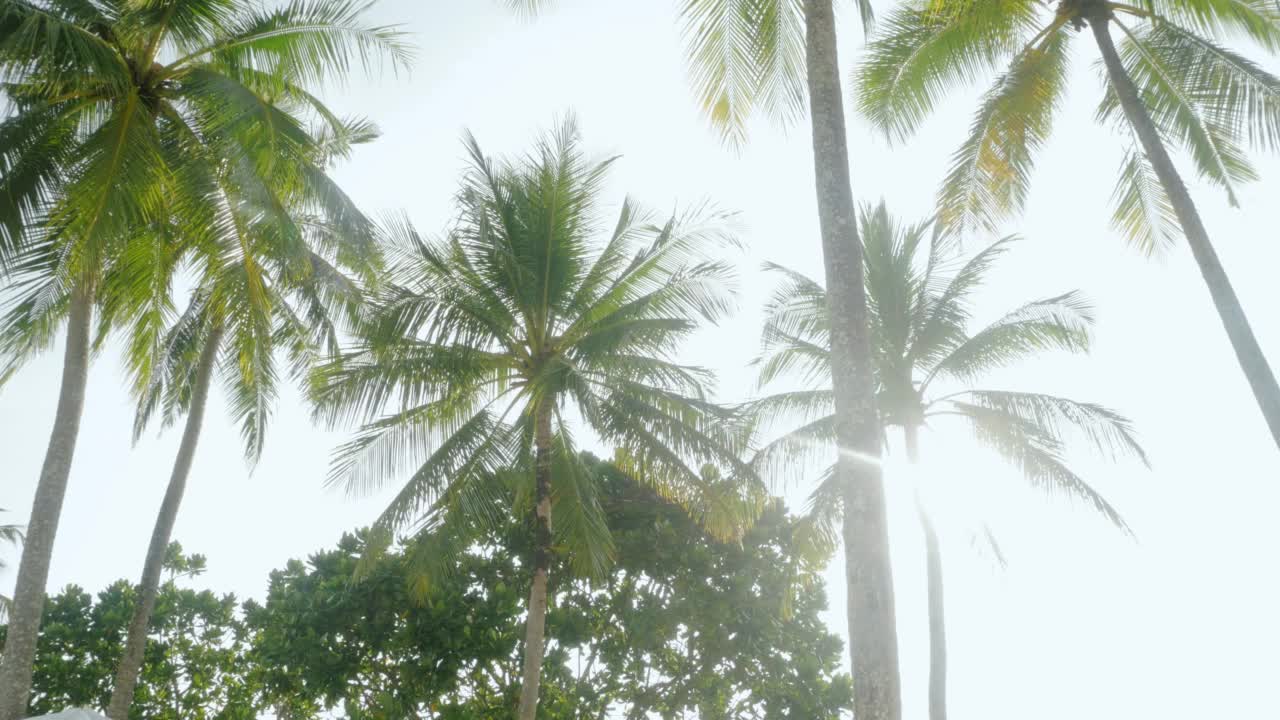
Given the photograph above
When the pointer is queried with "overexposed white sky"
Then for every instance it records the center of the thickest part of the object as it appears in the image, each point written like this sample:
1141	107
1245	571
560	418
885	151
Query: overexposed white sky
1084	622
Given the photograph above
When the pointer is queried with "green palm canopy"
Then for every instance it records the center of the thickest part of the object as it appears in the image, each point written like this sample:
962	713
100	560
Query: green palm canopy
528	318
1170	82
124	120
128	118
927	366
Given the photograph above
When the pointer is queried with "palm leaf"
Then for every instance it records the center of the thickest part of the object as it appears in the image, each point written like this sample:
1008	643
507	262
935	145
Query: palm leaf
991	172
1037	456
922	50
1166	84
1143	211
1108	431
743	56
1061	322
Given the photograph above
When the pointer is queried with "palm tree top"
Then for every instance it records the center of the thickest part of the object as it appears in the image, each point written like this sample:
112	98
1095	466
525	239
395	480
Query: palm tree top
128	121
110	74
532	306
920	305
1204	97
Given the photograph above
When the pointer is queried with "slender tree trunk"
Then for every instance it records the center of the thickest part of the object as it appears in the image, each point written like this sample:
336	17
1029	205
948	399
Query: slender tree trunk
149	587
937	610
873	642
535	626
1249	354
37	551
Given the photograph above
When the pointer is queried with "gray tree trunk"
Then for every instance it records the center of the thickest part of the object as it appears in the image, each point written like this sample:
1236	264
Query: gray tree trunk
937	609
535	626
136	641
1248	353
873	642
37	552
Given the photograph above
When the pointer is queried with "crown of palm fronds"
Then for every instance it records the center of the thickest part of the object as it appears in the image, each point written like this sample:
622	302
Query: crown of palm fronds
519	310
281	262
1204	97
127	121
920	305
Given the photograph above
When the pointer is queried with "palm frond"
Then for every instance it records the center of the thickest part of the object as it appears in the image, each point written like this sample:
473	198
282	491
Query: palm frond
1063	322
1258	20
1143	211
1060	418
1036	455
37	41
309	41
36	153
920	52
1159	63
817	532
580	528
941	325
991	172
1233	91
744	56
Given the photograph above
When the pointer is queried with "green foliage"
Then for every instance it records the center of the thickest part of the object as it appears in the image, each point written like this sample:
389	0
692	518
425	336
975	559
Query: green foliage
281	263
139	132
744	56
196	664
1211	101
371	649
680	624
530	304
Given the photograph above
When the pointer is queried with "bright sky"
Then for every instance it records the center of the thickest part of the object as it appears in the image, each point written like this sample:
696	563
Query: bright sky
1083	623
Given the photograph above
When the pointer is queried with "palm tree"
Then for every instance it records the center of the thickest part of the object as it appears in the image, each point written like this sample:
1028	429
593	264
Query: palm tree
766	55
11	534
918	326
274	266
481	343
1169	81
113	108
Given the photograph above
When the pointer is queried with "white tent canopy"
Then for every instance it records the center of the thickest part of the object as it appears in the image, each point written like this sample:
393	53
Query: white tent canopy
72	714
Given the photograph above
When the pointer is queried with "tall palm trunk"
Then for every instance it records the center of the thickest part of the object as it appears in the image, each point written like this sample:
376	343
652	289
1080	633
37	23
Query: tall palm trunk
148	589
1248	353
873	641
535	626
937	610
33	572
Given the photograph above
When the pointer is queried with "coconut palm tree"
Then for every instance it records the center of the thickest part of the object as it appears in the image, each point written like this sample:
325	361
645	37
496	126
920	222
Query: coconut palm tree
774	56
482	343
280	267
11	534
112	105
927	364
1170	81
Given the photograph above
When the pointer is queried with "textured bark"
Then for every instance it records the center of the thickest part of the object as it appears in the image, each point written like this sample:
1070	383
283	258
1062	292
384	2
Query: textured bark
42	528
937	609
873	643
535	626
1248	353
136	640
